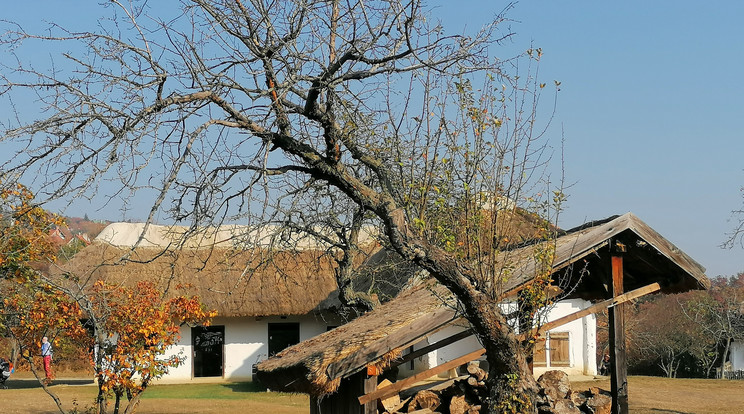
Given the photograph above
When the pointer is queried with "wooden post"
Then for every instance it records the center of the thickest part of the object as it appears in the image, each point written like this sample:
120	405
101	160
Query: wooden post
619	380
344	400
370	385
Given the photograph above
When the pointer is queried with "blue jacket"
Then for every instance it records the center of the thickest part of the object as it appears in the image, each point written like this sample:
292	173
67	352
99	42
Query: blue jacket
46	349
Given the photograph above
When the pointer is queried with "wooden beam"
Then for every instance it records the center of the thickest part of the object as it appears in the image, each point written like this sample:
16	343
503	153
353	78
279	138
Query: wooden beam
619	379
433	347
410	381
596	308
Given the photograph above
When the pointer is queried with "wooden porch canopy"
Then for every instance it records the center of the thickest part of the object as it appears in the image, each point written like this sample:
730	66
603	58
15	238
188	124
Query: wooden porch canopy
583	256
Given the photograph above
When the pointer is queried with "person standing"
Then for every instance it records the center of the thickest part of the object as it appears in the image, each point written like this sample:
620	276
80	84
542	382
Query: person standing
46	354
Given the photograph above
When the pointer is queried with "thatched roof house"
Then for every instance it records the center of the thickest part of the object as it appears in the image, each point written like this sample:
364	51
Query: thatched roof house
266	297
318	366
256	282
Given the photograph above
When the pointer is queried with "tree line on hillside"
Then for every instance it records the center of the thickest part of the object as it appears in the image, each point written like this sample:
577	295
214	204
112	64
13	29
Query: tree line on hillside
685	335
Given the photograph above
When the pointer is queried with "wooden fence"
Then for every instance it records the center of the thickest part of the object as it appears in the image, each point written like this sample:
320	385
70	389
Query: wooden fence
733	375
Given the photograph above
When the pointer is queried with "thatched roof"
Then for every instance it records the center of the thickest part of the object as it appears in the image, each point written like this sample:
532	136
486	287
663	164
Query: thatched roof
316	366
386	274
236	270
254	282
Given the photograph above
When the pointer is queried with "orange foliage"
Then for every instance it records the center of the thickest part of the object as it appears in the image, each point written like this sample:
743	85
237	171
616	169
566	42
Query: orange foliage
24	228
136	326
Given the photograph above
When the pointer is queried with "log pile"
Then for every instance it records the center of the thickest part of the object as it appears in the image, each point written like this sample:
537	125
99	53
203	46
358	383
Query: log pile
556	397
467	395
464	396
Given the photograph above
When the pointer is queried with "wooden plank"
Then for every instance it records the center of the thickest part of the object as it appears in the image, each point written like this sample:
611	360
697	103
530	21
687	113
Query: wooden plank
668	249
410	381
633	294
369	385
619	379
401	338
570	254
433	347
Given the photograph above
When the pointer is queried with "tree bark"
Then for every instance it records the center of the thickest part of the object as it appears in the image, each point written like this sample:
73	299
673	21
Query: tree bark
724	357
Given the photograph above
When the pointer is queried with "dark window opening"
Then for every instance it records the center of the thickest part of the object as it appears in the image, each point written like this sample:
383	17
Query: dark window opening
282	335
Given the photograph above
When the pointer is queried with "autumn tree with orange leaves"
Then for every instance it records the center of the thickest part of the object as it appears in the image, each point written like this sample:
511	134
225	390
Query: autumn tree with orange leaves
124	330
134	327
24	227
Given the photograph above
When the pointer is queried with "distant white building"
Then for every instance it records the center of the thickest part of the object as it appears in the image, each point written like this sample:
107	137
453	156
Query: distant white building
736	356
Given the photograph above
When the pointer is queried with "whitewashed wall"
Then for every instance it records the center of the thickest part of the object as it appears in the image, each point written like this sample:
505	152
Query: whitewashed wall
582	340
736	356
246	342
582	335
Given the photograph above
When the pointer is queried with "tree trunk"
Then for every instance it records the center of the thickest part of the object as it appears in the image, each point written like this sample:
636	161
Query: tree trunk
724	357
511	386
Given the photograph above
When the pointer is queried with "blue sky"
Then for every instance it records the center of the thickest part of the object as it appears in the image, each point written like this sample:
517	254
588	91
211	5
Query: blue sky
651	105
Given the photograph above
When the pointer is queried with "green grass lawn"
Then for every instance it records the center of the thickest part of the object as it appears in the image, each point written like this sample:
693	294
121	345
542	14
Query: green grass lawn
216	391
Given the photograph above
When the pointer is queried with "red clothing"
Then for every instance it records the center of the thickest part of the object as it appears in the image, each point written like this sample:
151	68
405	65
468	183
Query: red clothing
48	366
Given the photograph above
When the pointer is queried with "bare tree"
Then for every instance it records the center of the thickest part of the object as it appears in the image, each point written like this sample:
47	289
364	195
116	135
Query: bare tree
736	236
719	314
251	111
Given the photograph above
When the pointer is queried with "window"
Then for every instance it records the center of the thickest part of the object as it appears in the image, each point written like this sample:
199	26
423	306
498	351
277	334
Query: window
552	351
282	335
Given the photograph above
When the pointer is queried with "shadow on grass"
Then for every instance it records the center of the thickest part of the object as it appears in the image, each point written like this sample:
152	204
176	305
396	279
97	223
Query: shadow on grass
244	387
33	383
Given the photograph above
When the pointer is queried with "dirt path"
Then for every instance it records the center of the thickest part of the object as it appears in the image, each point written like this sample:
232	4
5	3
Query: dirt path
25	396
654	395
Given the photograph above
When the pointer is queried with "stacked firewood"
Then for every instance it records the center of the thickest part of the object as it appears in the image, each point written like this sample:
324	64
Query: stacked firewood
467	395
464	396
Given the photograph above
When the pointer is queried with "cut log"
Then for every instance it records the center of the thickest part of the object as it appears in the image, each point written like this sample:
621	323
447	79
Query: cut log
566	407
476	371
554	386
473	367
458	405
399	407
390	403
599	404
424	399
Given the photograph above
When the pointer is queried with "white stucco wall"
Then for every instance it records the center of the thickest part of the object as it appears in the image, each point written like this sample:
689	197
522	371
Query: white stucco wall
736	356
246	342
582	343
582	335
